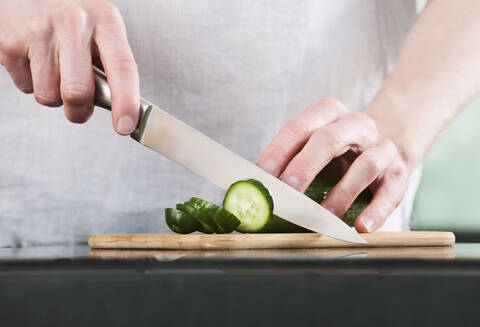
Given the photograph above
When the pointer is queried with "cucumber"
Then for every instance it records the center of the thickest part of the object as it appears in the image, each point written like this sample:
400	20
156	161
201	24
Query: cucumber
279	225
180	221
251	203
224	221
205	226
319	189
206	220
248	208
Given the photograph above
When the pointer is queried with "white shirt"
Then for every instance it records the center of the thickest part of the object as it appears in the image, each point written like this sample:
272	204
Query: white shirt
235	70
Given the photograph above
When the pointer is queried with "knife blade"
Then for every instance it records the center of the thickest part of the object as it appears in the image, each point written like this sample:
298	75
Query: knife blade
200	154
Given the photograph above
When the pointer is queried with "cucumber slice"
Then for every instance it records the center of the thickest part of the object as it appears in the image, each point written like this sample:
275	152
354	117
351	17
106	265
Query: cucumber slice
180	221
201	214
195	213
224	221
251	203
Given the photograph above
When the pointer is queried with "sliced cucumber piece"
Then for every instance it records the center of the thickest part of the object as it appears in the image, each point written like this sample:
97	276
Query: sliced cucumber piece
251	203
180	221
224	221
202	216
198	215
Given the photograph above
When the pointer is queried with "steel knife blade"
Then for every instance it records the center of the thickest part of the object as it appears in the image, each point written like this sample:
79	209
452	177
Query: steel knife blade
205	157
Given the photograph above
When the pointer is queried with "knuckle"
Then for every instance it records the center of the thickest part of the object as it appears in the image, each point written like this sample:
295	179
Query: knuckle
365	121
401	172
111	12
10	45
72	18
297	128
41	28
49	100
65	10
371	165
333	103
389	146
397	171
76	93
327	137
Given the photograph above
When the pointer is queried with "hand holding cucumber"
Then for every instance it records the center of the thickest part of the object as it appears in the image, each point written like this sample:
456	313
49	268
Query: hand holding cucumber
327	130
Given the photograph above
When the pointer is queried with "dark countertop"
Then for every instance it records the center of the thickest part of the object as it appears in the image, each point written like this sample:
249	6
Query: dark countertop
71	285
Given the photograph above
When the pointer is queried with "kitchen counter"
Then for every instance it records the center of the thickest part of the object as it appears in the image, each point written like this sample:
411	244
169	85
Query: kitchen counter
73	285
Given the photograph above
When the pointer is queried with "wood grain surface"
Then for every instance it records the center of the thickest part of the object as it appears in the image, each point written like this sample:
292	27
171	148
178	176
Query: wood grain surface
265	241
425	252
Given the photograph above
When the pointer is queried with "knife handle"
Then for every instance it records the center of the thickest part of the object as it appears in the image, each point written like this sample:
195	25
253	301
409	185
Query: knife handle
102	94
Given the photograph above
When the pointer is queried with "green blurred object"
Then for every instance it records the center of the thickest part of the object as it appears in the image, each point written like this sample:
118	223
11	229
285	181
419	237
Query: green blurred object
318	191
448	193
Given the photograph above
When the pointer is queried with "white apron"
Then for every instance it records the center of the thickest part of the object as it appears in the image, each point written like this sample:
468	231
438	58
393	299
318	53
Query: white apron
235	70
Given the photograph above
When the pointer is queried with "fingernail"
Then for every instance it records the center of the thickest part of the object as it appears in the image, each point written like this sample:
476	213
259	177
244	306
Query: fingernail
125	125
293	182
269	166
368	224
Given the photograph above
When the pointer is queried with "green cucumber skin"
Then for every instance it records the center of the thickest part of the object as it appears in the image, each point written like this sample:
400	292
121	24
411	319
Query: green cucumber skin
319	189
180	222
279	225
205	220
204	226
224	221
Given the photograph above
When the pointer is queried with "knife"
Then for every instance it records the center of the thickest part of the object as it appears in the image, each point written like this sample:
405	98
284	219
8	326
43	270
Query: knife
202	155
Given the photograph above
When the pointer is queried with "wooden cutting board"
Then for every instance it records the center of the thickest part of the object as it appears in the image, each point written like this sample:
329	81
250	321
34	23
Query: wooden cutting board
398	252
264	241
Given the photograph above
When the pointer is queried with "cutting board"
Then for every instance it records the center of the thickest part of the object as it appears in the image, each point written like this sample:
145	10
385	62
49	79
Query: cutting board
265	241
398	252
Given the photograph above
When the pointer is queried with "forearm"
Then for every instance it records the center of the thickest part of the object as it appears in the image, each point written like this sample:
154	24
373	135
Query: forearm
436	75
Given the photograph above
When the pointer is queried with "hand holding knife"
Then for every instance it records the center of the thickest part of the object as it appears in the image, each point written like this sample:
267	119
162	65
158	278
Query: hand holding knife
187	147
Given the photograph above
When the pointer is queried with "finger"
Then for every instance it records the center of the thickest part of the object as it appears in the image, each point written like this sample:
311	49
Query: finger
363	171
45	74
120	68
293	136
77	84
14	56
328	142
19	70
388	195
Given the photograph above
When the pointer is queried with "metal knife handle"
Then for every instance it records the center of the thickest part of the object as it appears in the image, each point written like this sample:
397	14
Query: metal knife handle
102	93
